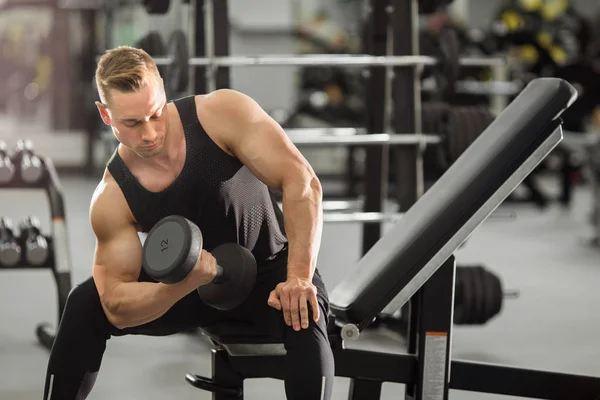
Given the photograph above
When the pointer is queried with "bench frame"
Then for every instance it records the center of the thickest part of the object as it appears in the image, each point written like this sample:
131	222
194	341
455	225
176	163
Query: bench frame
426	368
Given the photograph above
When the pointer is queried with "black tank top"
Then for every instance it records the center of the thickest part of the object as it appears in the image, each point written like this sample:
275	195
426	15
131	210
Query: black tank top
214	190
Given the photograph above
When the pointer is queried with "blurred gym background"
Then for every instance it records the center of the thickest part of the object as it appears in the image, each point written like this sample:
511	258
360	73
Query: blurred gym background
49	49
540	246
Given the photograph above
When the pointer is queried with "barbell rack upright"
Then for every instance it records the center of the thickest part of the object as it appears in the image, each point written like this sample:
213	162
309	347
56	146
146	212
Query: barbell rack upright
199	48
407	103
375	175
341	60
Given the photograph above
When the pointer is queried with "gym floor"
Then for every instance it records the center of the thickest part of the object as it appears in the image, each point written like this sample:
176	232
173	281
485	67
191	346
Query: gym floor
543	254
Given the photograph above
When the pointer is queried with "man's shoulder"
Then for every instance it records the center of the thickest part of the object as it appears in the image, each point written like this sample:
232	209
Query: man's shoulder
106	188
223	100
108	204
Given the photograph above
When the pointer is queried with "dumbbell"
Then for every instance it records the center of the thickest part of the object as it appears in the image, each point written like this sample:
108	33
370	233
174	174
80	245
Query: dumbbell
172	248
36	245
30	165
10	251
7	169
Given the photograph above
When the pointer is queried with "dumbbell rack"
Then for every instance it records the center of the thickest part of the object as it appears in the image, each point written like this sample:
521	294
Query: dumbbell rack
58	259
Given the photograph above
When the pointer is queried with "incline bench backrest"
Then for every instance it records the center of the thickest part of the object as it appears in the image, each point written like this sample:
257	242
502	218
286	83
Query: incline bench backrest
400	255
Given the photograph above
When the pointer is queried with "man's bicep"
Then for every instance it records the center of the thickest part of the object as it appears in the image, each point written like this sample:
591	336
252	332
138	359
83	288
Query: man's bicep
116	260
118	253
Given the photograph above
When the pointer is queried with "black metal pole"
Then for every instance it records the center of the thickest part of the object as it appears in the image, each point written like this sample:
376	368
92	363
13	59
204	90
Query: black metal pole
430	334
199	47
88	60
221	40
406	98
375	181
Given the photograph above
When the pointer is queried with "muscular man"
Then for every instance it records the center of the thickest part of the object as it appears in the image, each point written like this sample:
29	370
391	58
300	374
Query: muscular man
212	159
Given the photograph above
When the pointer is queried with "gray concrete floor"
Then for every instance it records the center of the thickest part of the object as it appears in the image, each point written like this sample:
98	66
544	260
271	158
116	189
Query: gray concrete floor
552	326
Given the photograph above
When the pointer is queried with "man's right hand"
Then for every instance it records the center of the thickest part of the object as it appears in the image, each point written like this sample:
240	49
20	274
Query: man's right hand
204	271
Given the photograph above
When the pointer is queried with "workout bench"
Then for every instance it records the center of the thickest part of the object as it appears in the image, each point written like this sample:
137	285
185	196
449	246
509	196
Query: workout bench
414	261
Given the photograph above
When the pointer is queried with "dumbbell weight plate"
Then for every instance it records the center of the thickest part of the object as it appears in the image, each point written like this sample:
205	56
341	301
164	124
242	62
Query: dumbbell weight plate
7	169
7	172
10	251
239	277
432	114
157	6
178	73
31	169
33	241
171	249
10	254
36	252
154	45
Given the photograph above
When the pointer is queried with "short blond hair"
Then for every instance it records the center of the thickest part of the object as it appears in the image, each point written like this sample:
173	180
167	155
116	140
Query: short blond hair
125	69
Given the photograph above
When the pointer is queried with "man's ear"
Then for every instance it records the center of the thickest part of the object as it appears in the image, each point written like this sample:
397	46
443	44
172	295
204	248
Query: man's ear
103	113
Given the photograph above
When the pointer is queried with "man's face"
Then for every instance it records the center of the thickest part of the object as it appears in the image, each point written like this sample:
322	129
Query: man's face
139	120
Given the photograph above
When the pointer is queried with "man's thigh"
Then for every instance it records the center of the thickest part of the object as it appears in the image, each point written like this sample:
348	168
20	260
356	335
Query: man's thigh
266	320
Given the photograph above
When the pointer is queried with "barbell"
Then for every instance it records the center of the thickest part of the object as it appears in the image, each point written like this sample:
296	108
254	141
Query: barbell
365	140
455	128
173	57
159	7
345	60
478	297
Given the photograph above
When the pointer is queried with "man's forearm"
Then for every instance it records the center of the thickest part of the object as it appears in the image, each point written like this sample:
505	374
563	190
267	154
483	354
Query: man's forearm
303	215
137	303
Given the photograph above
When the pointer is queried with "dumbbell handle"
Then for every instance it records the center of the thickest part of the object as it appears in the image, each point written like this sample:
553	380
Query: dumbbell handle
6	166
511	294
6	229
220	276
36	245
30	226
10	252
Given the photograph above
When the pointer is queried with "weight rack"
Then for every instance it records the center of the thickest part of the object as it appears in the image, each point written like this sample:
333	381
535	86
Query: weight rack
58	260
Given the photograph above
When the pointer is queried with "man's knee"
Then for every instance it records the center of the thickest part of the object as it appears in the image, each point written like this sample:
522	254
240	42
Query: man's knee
84	297
83	308
315	336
